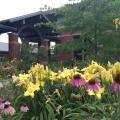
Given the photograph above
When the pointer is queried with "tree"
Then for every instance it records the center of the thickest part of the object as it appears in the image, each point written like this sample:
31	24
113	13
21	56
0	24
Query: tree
93	18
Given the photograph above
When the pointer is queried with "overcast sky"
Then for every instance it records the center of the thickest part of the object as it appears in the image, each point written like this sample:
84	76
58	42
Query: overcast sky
14	8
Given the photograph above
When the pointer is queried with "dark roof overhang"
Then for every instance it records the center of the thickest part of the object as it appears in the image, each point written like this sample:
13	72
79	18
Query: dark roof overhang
5	28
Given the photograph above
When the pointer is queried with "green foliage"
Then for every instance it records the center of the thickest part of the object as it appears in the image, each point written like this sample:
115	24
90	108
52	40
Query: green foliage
7	69
69	46
72	103
29	57
39	109
93	18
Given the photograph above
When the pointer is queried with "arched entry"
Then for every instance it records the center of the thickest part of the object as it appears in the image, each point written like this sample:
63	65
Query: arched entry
29	33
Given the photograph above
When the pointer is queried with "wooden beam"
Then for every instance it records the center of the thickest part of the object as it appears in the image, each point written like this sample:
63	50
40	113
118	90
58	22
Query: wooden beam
7	27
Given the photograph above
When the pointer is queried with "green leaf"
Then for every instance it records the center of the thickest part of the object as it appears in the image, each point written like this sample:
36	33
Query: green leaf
83	113
45	115
33	118
75	115
50	111
41	116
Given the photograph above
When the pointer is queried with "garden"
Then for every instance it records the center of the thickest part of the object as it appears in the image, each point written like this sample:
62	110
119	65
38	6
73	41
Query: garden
87	89
89	93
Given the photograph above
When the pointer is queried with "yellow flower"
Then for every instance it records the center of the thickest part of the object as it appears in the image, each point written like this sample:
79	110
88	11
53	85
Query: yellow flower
107	75
109	65
96	93
15	78
23	79
65	75
57	92
31	89
39	73
89	76
114	68
93	68
53	76
117	66
41	83
116	21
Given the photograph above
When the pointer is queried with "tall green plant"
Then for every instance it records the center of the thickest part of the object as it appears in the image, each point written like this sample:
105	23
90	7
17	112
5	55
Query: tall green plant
29	55
93	18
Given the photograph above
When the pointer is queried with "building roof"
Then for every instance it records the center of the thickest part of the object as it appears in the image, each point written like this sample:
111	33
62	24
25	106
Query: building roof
26	16
25	25
4	28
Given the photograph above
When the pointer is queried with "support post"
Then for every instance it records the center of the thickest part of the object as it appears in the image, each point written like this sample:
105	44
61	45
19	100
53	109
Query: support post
45	45
14	48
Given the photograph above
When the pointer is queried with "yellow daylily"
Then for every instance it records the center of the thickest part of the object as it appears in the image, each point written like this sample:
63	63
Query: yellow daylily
116	21
39	72
93	68
96	93
31	89
89	76
53	75
57	92
23	79
106	75
114	68
65	75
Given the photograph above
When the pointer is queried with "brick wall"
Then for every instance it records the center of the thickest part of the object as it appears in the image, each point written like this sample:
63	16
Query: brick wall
64	56
14	47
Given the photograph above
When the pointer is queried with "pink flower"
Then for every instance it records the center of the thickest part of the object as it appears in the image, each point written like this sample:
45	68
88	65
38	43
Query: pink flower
116	83
1	85
2	105
7	103
93	85
7	109
115	86
78	80
24	108
7	68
